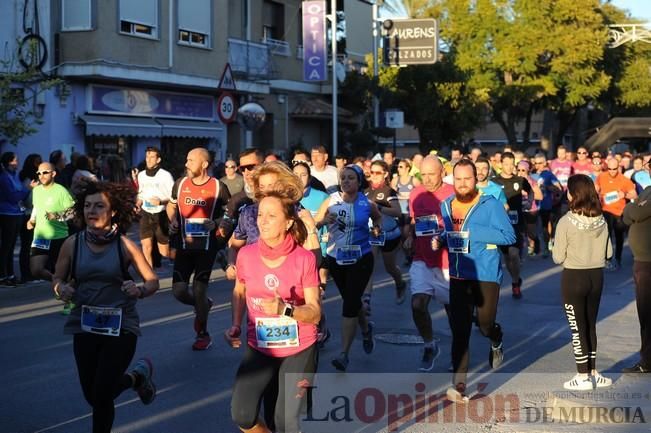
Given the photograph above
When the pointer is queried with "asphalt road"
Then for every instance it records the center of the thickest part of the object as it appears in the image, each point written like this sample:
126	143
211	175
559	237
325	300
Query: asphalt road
41	392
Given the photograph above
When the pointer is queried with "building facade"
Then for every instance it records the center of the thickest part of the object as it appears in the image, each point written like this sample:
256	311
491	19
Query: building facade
148	72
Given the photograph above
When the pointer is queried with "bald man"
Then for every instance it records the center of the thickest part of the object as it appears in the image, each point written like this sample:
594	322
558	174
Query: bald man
429	271
52	208
195	211
614	189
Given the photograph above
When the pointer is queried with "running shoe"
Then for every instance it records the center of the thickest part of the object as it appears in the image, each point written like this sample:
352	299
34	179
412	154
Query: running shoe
197	325
322	338
67	308
495	356
202	342
146	389
341	362
601	381
637	368
430	354
401	289
457	394
579	383
368	341
516	289
531	252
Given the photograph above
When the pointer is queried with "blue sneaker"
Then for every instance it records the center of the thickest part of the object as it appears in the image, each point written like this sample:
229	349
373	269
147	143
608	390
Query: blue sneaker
144	369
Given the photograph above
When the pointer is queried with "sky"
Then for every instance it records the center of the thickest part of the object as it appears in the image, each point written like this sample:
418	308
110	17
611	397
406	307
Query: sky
638	8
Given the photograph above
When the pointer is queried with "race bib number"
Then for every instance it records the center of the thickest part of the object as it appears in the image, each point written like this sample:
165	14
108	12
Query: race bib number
459	242
513	217
101	320
195	228
427	225
377	240
348	255
273	332
148	205
404	206
41	244
611	197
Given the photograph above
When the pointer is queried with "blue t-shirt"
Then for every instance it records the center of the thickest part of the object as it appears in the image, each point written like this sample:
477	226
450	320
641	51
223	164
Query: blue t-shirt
312	201
546	179
642	179
351	226
495	190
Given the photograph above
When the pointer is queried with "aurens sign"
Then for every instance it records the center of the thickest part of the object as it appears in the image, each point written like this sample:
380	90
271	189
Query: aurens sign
410	41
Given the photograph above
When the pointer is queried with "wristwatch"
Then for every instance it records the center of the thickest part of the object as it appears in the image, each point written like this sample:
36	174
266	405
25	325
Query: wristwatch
288	311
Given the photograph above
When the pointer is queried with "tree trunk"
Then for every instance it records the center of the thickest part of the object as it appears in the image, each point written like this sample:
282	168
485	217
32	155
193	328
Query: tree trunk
508	126
527	127
565	119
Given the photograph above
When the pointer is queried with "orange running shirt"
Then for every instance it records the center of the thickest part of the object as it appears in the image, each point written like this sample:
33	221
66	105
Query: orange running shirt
608	186
460	211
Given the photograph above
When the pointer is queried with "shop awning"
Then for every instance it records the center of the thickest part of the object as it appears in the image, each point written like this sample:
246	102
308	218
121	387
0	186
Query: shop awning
318	109
121	126
190	128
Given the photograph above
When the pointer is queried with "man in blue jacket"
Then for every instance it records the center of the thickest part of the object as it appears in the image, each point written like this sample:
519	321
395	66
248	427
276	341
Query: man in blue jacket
475	224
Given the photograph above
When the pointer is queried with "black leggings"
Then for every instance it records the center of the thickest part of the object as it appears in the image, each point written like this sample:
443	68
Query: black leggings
549	216
465	295
255	373
581	292
351	280
26	238
101	363
531	219
617	227
642	276
9	229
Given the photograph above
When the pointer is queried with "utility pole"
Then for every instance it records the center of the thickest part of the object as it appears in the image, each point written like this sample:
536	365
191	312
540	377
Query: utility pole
376	101
333	48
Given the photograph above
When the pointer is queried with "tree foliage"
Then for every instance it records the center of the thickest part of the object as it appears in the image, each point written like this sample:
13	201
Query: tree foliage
19	90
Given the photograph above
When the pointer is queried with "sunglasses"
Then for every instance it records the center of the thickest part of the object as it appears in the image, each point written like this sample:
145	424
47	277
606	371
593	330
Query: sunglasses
43	173
377	172
231	166
538	163
582	153
248	167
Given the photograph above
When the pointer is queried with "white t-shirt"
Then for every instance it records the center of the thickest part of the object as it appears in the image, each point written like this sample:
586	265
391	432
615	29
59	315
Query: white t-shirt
329	177
159	185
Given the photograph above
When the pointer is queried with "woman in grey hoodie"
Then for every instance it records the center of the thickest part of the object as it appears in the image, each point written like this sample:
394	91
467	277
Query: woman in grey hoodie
582	246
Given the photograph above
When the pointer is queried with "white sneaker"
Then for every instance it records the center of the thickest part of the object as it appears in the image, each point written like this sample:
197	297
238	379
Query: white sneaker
579	383
601	381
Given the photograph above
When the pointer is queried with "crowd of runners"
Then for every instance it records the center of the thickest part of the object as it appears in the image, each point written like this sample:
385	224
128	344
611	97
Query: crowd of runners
281	230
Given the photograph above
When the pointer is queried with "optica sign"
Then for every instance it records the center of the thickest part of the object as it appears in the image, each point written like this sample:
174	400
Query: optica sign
315	57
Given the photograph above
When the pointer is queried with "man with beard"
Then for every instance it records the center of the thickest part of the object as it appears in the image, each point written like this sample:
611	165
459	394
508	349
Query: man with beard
429	271
513	186
154	192
475	224
486	186
195	211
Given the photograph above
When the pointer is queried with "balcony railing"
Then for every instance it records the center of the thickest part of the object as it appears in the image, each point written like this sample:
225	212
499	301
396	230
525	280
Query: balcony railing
278	48
248	58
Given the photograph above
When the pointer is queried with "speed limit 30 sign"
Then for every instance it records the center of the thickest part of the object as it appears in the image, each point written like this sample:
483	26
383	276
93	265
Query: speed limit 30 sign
226	107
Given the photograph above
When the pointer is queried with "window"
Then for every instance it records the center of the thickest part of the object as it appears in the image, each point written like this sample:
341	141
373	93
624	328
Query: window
194	22
273	20
139	18
76	15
